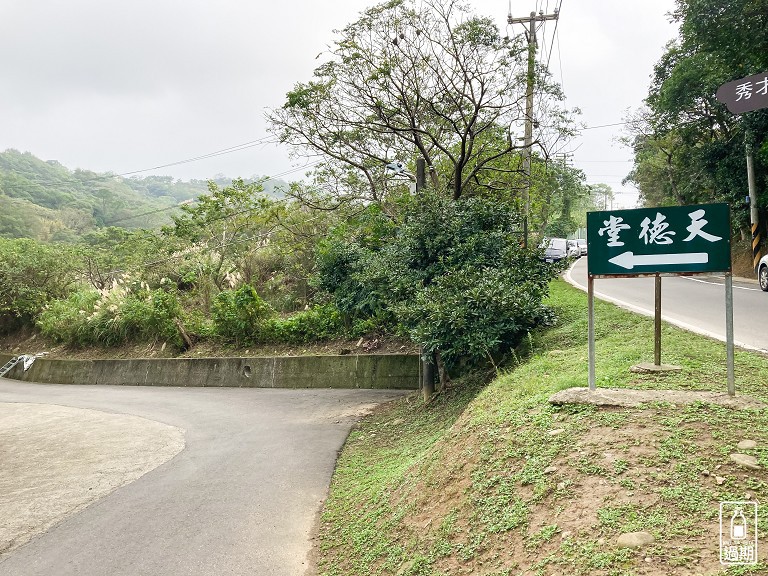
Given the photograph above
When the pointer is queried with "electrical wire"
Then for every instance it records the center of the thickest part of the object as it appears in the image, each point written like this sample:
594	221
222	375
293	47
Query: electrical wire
262	141
105	177
175	206
229	150
554	33
560	61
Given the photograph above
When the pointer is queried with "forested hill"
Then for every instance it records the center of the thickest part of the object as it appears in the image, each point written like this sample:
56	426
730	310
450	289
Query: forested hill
47	201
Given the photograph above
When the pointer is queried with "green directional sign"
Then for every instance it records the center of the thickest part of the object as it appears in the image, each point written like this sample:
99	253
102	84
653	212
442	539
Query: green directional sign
669	240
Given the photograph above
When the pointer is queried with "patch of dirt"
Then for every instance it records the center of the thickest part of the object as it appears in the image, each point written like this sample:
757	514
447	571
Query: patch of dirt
619	468
742	260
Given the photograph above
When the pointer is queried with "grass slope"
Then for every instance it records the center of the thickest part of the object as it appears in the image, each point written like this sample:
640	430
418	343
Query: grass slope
495	481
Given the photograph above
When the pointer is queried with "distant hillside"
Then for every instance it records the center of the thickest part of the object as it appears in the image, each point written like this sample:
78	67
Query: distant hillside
47	201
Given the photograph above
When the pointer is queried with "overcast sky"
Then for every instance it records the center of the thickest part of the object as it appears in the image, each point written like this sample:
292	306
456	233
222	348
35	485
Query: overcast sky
123	85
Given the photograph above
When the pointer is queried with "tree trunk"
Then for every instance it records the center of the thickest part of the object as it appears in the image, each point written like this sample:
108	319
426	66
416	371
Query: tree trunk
183	333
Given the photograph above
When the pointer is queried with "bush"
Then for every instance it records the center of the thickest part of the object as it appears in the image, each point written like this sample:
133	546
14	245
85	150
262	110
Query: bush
143	317
316	324
241	315
32	274
111	317
474	315
66	320
452	276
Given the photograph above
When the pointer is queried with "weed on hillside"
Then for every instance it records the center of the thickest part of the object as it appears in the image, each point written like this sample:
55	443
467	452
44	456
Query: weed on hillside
496	481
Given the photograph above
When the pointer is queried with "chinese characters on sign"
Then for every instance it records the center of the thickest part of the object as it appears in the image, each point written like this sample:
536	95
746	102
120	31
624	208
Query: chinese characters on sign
738	533
683	239
658	233
745	89
746	94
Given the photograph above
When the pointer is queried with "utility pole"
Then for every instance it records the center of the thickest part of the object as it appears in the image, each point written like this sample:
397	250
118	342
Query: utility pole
564	158
754	215
531	80
427	365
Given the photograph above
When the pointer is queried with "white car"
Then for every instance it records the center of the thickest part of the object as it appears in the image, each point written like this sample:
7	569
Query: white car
762	273
573	249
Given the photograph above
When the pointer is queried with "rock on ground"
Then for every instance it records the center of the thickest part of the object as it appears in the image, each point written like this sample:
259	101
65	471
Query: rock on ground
745	460
635	540
629	398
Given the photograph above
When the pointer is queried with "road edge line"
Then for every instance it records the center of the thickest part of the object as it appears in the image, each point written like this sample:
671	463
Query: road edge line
650	313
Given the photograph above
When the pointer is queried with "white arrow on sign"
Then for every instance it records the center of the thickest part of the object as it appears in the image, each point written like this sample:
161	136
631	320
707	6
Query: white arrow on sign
629	260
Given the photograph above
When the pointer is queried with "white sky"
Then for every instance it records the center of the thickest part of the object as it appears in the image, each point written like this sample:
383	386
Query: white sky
124	85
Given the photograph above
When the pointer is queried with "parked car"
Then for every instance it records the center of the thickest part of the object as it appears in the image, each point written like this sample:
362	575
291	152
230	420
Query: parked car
573	249
762	273
556	249
582	242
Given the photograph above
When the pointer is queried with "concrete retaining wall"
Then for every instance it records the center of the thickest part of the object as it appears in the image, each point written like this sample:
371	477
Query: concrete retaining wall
400	371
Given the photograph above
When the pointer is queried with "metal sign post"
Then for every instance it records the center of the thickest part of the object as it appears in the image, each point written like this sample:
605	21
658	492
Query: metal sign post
591	329
668	241
657	322
729	332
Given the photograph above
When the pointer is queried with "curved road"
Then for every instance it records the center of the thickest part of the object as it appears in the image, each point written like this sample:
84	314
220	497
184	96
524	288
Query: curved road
241	498
696	303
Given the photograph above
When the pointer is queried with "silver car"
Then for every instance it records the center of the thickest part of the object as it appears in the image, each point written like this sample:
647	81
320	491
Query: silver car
556	249
762	273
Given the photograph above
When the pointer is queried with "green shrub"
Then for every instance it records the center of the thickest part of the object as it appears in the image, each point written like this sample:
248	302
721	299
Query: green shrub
32	274
316	324
451	275
145	316
66	320
474	315
108	318
241	315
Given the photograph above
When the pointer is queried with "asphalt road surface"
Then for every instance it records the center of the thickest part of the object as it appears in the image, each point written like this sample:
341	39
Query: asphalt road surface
240	498
696	303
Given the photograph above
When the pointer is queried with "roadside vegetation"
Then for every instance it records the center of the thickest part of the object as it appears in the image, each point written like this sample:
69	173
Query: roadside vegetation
355	250
689	149
487	478
496	481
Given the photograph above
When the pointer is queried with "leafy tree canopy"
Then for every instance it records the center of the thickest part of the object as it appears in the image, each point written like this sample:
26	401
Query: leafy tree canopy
408	79
688	147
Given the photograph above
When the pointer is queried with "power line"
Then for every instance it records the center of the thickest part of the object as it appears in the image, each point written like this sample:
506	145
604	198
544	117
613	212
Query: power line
104	177
560	60
238	147
610	125
230	150
168	208
554	33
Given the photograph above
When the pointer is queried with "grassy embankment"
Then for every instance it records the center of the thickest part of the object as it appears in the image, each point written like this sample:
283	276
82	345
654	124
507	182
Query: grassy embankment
496	481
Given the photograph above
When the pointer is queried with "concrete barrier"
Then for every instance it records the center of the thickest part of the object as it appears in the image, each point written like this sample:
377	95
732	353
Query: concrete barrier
392	371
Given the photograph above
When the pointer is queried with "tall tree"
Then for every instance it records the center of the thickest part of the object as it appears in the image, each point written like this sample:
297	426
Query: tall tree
408	79
688	147
217	232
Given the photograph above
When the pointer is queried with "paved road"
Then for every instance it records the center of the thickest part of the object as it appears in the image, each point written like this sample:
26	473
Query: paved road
241	498
696	303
